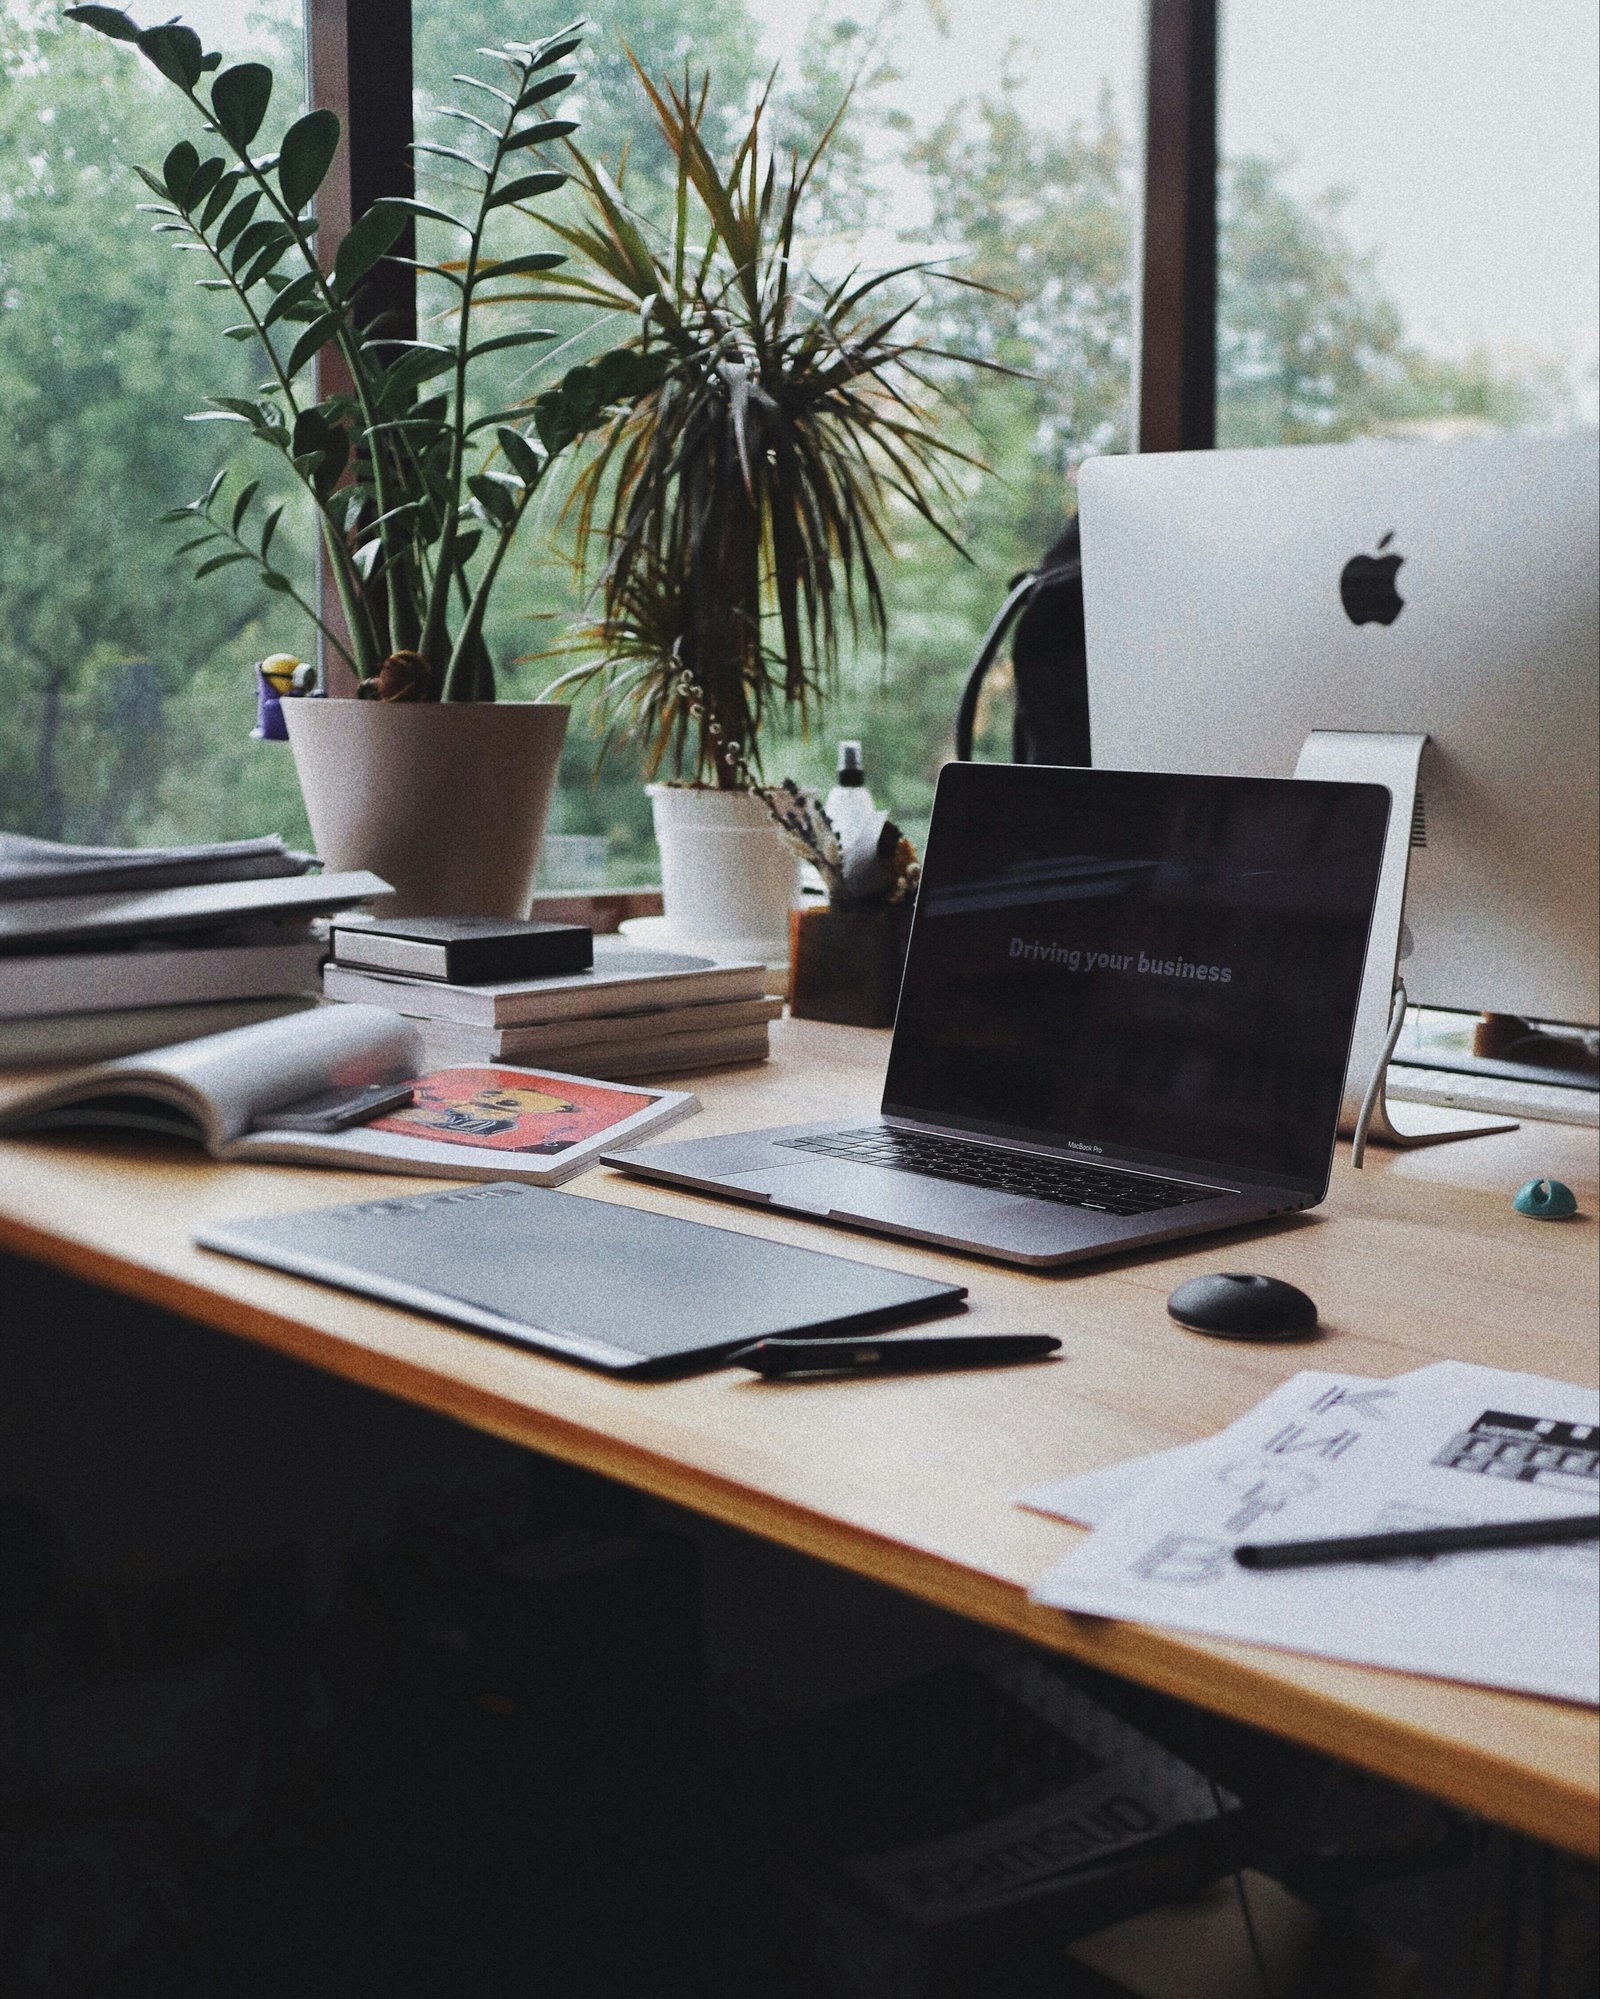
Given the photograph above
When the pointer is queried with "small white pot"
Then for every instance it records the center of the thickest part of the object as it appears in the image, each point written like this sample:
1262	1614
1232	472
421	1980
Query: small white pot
446	800
727	878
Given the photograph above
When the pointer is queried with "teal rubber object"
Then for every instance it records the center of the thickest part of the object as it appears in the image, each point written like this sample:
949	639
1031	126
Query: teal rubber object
1546	1200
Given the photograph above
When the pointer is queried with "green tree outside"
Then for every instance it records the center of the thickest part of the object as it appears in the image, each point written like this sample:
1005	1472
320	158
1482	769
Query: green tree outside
124	699
1310	351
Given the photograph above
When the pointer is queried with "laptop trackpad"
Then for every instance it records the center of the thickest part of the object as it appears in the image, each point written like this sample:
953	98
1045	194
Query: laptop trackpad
911	1200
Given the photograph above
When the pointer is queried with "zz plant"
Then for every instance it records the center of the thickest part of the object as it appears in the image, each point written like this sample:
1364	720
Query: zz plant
417	497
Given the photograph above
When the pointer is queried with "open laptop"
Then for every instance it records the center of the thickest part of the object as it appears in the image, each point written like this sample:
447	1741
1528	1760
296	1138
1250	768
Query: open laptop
1126	1014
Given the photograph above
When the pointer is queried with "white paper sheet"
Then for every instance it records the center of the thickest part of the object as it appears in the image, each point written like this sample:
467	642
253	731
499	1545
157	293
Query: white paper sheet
1339	1454
1091	1497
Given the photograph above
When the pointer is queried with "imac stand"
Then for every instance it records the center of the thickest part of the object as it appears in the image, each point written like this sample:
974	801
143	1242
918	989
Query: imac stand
1394	761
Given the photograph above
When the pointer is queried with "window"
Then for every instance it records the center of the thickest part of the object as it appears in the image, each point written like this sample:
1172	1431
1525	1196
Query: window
1018	158
1409	219
126	693
1451	285
1002	140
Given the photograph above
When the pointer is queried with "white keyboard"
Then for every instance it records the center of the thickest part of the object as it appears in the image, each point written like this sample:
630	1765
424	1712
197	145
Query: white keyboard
1556	1103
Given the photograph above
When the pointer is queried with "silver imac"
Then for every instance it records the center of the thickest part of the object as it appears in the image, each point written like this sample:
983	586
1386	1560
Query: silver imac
1236	602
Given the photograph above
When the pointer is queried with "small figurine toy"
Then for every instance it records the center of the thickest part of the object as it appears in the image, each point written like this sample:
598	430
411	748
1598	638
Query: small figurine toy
280	673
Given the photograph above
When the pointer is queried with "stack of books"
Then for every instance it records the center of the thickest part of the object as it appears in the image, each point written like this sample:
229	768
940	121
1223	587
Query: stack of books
109	951
629	1015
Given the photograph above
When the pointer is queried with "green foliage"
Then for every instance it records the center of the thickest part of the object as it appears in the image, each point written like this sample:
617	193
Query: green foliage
105	668
741	503
1309	350
716	35
537	595
404	499
124	697
843	61
1043	222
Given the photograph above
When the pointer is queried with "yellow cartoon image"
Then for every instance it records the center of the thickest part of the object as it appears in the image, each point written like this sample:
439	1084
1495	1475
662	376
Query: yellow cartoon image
486	1112
510	1110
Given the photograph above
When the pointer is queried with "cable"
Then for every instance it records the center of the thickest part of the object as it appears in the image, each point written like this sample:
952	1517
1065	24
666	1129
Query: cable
993	639
1369	1103
1257	1958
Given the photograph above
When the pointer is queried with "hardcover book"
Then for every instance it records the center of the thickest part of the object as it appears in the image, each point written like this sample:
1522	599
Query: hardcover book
40	1040
30	867
624	979
465	950
597	1037
186	972
622	1061
62	921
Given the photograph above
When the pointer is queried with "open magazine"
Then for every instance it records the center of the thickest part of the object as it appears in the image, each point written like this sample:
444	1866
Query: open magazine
482	1122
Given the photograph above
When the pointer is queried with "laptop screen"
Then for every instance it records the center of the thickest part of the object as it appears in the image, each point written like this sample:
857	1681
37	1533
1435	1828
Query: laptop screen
1163	969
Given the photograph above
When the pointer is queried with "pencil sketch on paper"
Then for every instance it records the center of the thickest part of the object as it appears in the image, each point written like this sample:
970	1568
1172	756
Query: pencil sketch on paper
1185	1559
1263	1493
1310	1462
1534	1450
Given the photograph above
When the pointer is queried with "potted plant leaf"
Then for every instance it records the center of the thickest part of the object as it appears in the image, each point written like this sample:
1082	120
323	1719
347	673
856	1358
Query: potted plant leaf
741	504
417	495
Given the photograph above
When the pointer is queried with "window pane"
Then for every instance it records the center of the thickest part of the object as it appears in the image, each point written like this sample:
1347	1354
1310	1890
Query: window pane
1410	219
125	689
601	823
1020	159
1001	137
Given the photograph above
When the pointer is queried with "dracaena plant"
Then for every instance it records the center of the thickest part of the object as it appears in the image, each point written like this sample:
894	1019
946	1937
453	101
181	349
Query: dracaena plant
742	503
417	498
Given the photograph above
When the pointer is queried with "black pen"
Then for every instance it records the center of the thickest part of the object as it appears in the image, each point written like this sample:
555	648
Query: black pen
912	1354
1419	1541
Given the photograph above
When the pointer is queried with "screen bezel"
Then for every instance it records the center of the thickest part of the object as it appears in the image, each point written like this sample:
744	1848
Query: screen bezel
1224	1175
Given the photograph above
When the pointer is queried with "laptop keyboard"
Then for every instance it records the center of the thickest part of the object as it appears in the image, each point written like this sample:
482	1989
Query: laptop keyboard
1063	1181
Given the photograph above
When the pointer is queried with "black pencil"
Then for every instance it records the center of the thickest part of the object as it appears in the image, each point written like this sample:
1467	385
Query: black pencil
1419	1541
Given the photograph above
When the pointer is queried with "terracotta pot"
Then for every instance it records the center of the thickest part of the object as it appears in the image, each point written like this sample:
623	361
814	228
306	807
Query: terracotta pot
446	800
727	878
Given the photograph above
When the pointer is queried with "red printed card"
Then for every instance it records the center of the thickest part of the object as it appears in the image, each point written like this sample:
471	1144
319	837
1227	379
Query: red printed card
511	1110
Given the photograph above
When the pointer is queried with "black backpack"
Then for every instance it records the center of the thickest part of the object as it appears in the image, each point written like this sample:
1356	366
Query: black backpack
1048	664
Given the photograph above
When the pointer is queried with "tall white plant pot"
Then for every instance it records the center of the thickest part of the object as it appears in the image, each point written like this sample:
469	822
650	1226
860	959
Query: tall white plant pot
728	881
446	800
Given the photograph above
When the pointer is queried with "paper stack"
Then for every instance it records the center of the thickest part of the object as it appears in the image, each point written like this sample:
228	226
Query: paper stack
108	951
1337	1454
634	1014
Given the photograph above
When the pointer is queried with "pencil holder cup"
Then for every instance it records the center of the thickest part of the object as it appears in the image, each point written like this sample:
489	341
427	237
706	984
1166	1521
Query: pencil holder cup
845	963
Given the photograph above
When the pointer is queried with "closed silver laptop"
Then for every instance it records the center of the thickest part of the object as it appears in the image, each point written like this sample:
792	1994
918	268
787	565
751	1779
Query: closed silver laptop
1126	1014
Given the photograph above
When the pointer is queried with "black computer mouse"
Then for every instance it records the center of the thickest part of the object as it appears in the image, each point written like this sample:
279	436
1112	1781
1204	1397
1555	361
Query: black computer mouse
1232	1306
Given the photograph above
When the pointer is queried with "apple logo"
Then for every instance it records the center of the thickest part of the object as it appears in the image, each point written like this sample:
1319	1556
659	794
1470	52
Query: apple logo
1366	587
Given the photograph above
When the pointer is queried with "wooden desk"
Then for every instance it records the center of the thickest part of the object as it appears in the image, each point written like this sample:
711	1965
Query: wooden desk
910	1481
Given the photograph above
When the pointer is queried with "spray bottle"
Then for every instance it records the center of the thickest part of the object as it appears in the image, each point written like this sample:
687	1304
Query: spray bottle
849	805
